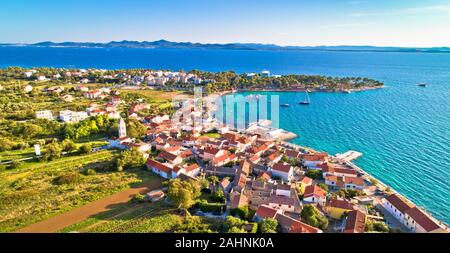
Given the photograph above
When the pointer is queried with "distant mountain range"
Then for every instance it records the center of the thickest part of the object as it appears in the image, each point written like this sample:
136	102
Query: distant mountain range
230	46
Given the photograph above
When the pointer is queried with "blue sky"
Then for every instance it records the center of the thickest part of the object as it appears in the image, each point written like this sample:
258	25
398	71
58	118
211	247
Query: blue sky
283	22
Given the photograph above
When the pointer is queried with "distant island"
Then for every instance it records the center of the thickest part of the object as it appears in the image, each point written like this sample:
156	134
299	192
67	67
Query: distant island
229	46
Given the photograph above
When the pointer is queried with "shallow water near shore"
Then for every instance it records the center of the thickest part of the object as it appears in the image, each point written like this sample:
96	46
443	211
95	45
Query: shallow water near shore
402	130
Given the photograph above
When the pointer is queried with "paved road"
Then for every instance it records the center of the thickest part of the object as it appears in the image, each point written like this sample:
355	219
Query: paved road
79	214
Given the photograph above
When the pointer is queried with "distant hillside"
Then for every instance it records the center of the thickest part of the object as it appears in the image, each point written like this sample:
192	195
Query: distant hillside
230	46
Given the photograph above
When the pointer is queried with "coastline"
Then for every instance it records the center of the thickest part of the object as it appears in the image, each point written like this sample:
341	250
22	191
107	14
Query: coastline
380	185
366	88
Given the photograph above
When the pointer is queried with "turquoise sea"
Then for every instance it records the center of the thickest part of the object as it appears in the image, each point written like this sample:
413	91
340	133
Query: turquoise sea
402	130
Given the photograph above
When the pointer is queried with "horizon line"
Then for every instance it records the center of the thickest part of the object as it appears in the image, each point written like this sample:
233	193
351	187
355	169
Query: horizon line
222	43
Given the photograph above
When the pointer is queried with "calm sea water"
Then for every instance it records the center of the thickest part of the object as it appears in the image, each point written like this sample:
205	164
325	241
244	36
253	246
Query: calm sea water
402	130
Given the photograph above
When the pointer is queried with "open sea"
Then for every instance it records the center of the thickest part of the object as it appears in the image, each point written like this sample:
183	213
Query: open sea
402	130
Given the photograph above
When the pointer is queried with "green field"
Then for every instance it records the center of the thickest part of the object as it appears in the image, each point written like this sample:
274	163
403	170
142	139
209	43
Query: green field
131	218
31	193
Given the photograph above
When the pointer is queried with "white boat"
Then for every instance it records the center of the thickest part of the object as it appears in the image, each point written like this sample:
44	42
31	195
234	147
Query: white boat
306	101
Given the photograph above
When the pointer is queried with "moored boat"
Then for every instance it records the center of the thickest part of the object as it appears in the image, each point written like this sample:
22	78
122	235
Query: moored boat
306	101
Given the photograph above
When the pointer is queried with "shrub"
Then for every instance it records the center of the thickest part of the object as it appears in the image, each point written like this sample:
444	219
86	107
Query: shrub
314	174
68	178
218	196
52	151
138	198
90	172
68	145
86	148
268	225
376	226
15	164
313	217
210	207
241	212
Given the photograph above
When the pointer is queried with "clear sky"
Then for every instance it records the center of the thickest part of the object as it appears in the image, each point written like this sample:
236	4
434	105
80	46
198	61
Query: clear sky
284	22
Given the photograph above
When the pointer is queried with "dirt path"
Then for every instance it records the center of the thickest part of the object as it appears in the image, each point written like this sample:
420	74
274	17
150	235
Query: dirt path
79	214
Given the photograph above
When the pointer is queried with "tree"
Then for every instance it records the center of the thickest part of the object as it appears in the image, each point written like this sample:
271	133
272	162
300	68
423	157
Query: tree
236	230
242	212
376	226
132	158
313	217
86	148
268	225
234	225
183	193
52	151
68	145
314	174
218	196
348	193
214	180
135	129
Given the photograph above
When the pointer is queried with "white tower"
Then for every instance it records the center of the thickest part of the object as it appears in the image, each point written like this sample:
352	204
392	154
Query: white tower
122	128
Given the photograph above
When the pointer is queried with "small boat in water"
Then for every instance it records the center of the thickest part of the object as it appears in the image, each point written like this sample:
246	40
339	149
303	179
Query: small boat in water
422	85
284	105
306	101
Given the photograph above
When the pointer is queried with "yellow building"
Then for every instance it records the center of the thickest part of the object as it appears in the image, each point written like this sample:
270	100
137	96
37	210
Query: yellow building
337	207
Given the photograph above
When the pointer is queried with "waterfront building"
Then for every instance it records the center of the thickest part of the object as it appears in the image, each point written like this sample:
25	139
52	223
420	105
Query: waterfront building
412	217
265	73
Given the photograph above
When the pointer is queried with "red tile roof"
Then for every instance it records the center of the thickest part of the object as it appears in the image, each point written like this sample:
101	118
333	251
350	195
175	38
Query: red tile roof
192	167
314	190
356	222
292	225
159	166
282	167
265	211
422	219
314	157
399	203
307	180
341	203
167	156
354	180
265	175
211	150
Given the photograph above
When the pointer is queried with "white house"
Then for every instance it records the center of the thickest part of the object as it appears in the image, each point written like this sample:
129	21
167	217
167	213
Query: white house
163	170
46	114
283	171
314	194
283	190
191	170
71	116
396	206
284	203
419	222
411	216
312	160
41	78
